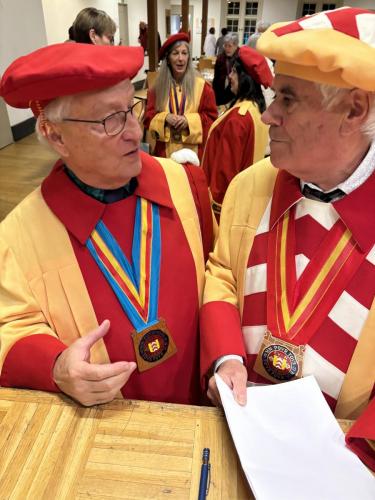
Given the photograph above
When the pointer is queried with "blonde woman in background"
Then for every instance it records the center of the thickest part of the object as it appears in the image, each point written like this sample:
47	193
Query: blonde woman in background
181	106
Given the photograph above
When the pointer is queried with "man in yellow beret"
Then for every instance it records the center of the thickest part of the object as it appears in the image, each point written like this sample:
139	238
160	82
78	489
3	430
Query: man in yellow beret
101	268
290	285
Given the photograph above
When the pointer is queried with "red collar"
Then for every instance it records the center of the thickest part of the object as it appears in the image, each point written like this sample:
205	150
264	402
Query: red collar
80	213
356	210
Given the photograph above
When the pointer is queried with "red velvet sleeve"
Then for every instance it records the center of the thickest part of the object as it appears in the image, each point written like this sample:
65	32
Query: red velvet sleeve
221	334
29	363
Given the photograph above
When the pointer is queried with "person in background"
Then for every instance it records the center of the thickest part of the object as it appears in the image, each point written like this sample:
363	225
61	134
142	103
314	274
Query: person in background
262	26
181	105
210	43
220	42
70	38
102	267
290	285
143	36
223	67
238	138
94	26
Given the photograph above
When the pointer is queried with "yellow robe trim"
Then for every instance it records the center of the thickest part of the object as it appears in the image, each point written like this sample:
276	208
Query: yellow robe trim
42	290
191	137
245	202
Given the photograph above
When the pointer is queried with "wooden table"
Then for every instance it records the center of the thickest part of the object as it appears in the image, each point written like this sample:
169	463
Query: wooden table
52	448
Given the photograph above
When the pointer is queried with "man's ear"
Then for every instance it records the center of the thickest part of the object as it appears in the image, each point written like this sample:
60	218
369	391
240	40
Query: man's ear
52	133
358	107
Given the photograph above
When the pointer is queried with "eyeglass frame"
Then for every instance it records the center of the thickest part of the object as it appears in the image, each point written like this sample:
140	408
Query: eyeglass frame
102	122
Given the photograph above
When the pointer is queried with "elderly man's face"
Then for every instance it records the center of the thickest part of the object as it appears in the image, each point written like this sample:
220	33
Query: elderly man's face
305	137
98	159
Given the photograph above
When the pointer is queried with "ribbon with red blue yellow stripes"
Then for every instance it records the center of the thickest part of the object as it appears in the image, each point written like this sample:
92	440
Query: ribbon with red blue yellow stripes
176	107
296	308
136	283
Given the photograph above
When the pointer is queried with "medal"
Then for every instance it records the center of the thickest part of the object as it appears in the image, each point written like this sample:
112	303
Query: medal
136	283
278	360
297	308
153	345
176	136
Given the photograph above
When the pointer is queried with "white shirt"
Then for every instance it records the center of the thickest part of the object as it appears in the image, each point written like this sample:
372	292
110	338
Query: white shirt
209	45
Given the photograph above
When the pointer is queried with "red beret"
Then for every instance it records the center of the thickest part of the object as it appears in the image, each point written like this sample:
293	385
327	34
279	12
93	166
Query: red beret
65	69
255	65
178	37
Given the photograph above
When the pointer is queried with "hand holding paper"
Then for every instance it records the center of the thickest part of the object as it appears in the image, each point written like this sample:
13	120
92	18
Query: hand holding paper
291	446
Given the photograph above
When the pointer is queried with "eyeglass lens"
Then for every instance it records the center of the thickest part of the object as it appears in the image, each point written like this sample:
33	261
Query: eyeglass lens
114	124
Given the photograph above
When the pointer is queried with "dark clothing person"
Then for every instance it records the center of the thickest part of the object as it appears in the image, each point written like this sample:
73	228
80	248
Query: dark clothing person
221	84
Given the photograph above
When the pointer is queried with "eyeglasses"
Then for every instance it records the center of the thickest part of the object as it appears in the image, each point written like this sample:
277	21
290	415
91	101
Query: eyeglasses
115	123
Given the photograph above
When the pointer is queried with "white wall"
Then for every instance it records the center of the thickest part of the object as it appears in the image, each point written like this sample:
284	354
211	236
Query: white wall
360	4
22	30
279	10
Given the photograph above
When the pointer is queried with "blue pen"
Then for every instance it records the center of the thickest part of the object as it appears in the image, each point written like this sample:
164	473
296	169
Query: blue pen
205	473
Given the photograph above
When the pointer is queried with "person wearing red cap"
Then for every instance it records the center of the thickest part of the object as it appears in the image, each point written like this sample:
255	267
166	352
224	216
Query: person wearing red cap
181	106
238	138
290	285
101	268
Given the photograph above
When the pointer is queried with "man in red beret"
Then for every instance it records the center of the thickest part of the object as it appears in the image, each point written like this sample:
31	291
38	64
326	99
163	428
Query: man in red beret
102	266
290	285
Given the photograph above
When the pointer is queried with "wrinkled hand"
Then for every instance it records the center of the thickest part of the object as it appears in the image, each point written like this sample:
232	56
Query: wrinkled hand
234	374
181	123
171	119
87	383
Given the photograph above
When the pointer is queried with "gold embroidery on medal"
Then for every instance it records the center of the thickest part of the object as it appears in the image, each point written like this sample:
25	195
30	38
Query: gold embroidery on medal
153	345
278	360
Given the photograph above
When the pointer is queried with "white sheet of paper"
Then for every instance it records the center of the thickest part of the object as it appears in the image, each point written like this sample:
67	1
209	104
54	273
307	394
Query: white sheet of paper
291	446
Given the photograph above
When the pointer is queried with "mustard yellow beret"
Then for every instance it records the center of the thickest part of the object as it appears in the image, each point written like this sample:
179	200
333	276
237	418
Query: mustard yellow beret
334	47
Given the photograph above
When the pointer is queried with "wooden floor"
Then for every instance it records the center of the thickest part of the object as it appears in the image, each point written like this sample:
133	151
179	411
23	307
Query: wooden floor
23	165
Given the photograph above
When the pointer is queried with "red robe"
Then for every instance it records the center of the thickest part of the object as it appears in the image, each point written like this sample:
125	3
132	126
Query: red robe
29	361
235	141
234	314
199	119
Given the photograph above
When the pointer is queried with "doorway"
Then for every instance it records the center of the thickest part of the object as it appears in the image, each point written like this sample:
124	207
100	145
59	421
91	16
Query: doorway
123	23
6	136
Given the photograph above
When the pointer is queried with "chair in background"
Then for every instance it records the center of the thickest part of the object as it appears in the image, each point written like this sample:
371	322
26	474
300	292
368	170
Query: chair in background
205	63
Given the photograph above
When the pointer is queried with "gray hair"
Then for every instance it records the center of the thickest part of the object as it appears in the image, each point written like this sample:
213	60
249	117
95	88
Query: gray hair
332	96
164	81
231	38
262	26
54	112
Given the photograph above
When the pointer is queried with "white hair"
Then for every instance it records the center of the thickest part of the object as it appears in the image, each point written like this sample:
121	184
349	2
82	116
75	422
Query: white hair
262	26
231	38
332	96
54	112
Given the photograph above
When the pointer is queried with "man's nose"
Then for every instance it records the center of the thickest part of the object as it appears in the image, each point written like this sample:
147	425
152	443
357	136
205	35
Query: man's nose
270	116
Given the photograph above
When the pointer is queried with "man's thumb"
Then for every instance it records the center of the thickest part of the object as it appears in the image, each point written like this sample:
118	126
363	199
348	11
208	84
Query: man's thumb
89	340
